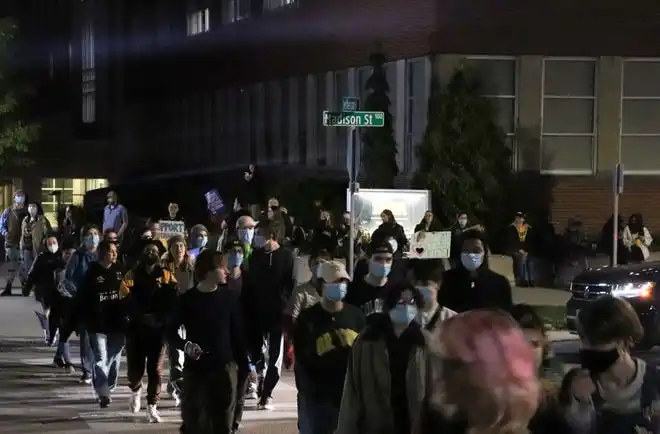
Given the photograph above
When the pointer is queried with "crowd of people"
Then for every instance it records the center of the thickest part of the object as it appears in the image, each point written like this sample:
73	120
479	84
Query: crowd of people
396	346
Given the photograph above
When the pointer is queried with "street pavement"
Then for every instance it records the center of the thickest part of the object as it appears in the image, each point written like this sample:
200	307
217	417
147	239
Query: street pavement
37	398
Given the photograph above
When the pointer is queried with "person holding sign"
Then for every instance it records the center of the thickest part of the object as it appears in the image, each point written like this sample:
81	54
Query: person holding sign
472	284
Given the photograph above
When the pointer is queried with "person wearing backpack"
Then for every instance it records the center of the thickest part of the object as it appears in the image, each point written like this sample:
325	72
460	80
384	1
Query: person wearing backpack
613	392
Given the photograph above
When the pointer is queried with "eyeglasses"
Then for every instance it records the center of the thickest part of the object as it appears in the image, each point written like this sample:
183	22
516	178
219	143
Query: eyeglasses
410	302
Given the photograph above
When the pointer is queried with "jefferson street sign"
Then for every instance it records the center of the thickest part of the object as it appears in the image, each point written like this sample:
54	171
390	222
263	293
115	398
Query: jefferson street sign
353	119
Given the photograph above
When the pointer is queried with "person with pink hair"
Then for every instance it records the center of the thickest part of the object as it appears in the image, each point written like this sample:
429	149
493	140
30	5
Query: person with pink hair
484	379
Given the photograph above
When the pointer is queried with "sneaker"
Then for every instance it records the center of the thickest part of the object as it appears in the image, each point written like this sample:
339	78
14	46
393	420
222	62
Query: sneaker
85	379
265	404
153	415
176	396
69	368
251	391
104	401
135	401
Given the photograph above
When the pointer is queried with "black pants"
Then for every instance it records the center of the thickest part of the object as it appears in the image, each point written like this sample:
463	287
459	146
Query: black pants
209	400
269	360
145	351
241	384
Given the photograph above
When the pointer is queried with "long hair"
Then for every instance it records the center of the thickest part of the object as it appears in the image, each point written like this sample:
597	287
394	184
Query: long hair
486	370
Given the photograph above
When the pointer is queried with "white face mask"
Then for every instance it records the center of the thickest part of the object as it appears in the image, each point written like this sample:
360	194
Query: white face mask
32	210
53	248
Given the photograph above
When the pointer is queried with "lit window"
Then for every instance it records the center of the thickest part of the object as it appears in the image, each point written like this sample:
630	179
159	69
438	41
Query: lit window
88	85
276	4
235	10
198	22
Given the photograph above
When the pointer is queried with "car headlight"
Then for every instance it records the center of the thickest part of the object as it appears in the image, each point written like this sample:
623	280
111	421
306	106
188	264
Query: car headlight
633	290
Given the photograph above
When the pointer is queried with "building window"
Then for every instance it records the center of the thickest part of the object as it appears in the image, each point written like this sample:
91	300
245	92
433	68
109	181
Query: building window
276	4
497	77
415	121
302	119
88	87
65	191
285	119
321	104
568	116
198	21
235	10
640	112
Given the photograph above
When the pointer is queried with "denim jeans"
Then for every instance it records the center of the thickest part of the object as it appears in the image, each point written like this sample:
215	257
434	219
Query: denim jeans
27	256
523	268
86	354
15	262
107	349
318	417
63	352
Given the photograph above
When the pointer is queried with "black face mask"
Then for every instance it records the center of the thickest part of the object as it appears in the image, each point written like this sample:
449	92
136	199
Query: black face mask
150	259
598	361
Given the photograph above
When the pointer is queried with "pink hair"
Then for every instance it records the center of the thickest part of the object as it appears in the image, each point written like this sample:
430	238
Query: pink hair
495	383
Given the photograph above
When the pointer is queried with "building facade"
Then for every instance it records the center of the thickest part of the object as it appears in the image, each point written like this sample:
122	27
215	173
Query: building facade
197	85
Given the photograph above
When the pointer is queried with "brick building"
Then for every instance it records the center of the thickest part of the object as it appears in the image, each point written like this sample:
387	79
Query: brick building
197	85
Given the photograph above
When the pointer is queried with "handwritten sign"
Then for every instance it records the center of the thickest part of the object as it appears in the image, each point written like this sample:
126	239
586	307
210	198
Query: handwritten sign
430	245
169	228
214	202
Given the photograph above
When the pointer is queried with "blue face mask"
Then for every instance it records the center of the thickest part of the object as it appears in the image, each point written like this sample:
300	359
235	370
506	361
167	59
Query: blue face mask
20	200
92	240
201	242
403	314
472	261
335	291
246	235
379	269
427	293
259	241
235	260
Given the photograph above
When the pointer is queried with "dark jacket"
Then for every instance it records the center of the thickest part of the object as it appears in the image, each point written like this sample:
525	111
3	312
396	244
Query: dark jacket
518	241
152	299
462	291
435	226
325	238
45	276
393	230
100	304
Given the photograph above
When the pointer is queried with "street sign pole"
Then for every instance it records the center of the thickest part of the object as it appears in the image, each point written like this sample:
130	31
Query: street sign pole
352	118
617	189
353	188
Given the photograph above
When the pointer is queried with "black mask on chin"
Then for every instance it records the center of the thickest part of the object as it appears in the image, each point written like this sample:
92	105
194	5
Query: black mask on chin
150	259
598	361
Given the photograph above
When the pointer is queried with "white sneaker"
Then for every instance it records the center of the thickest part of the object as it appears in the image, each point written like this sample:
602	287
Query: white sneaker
251	392
153	415
266	404
135	401
176	396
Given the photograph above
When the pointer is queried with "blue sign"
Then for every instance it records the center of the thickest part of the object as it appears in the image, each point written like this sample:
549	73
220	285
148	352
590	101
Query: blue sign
214	202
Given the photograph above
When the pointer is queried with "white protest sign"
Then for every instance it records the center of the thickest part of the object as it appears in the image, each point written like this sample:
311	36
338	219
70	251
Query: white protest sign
169	228
430	245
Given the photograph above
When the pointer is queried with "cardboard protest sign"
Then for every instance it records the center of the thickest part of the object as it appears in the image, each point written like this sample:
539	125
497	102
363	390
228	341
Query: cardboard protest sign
214	202
430	245
169	228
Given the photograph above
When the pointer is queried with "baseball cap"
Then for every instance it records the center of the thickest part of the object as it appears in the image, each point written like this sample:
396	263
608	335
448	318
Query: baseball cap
332	271
234	245
381	249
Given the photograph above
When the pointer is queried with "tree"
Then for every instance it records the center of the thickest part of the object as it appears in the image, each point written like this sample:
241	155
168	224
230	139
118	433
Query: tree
379	152
463	159
16	133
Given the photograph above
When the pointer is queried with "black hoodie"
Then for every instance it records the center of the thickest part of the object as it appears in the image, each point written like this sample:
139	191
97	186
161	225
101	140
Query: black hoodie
270	282
45	276
462	291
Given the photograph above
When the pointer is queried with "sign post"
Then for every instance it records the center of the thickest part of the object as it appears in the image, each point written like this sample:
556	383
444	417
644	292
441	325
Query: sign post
617	190
352	118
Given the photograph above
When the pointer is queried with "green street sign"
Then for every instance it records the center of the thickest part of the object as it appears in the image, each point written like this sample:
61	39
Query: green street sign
353	119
